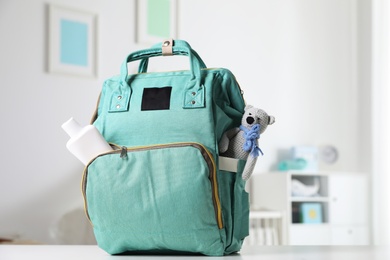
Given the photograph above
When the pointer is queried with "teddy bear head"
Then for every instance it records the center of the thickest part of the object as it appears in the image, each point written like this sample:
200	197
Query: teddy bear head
254	116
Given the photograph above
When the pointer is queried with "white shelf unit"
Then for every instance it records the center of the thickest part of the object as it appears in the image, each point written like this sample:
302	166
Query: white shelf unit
266	228
343	198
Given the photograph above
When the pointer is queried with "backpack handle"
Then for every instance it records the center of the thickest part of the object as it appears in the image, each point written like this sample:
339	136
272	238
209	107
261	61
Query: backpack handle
143	66
194	93
179	48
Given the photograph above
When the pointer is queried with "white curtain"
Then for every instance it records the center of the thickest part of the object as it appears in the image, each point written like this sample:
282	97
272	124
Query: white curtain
380	122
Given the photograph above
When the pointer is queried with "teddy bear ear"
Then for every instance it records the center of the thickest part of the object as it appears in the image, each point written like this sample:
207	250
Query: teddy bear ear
271	120
247	107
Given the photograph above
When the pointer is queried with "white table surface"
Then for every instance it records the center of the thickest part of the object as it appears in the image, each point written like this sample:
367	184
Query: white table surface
15	252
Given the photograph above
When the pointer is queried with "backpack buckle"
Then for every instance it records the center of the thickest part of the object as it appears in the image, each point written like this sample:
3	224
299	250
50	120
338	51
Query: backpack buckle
167	47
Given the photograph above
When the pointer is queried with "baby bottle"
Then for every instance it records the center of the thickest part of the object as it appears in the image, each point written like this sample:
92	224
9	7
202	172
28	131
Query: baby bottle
85	142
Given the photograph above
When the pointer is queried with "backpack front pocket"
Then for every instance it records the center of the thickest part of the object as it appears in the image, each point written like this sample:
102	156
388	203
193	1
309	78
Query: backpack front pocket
162	197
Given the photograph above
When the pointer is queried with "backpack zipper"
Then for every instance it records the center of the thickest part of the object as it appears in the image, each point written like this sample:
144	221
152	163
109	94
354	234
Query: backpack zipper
122	150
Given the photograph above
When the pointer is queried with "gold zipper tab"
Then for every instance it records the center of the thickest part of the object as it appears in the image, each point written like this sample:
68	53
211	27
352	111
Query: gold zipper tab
123	152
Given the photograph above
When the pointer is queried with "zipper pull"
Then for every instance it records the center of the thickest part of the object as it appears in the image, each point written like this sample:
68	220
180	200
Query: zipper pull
124	152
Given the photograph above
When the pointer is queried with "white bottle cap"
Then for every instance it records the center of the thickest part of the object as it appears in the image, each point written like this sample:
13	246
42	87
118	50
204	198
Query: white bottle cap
71	127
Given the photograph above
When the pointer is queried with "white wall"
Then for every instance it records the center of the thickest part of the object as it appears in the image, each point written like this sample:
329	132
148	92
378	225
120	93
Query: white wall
380	121
295	59
39	178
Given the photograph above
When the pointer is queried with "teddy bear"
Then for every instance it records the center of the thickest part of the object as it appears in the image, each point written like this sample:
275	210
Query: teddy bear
242	142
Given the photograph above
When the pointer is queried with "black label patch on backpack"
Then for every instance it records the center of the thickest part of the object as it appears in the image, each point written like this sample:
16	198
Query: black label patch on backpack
156	98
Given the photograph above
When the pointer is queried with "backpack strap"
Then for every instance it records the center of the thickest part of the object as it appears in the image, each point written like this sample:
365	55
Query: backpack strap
143	66
121	96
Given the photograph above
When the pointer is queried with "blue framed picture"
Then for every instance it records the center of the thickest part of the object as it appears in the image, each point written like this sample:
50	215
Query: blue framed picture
72	41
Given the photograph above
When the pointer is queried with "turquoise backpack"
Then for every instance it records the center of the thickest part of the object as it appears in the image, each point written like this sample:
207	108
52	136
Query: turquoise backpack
162	189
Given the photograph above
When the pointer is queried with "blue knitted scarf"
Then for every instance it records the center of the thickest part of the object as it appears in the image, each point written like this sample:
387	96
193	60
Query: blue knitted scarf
250	136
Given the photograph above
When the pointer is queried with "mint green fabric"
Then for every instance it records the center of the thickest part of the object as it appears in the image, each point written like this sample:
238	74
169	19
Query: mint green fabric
235	205
153	199
162	200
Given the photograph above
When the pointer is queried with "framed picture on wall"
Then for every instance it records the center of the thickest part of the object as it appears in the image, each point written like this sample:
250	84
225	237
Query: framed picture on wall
156	20
72	43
